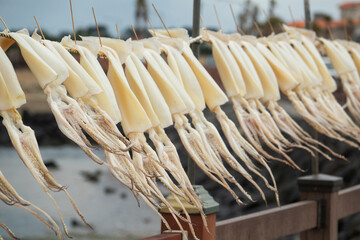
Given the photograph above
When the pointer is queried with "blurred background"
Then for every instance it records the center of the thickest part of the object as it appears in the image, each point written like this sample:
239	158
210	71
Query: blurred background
107	205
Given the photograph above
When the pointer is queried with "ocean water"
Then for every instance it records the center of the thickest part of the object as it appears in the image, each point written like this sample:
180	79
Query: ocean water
107	205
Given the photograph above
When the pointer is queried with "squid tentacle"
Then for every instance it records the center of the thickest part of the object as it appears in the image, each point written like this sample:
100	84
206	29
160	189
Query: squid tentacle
193	144
8	230
135	184
10	197
170	161
240	145
297	133
217	145
266	136
317	122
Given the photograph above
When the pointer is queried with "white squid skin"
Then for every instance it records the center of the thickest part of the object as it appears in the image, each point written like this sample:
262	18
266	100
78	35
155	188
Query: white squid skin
260	62
214	97
103	127
341	52
140	173
286	82
282	119
56	95
313	101
191	139
194	141
72	117
300	83
24	141
252	116
145	90
211	136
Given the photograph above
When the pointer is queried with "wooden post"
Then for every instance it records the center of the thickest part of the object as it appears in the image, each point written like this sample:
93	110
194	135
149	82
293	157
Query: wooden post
307	14
196	49
324	189
210	208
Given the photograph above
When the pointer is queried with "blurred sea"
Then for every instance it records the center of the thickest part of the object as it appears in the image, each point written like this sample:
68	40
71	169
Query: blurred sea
106	204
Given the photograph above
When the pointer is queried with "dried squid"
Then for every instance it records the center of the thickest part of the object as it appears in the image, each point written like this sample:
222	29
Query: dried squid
145	88
195	140
345	58
135	123
52	75
282	119
94	95
256	122
237	142
23	137
312	98
214	98
184	72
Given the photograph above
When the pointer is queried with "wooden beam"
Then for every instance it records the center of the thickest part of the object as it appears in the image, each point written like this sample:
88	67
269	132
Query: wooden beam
270	224
165	236
348	202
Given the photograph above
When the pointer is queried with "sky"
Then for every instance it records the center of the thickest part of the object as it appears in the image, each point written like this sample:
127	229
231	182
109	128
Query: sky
54	15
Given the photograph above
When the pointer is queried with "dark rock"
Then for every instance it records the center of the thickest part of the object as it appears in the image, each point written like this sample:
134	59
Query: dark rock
109	190
75	223
91	176
146	220
51	164
123	195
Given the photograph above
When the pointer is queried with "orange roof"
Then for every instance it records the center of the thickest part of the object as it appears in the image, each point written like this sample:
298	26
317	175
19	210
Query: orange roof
349	5
321	23
298	24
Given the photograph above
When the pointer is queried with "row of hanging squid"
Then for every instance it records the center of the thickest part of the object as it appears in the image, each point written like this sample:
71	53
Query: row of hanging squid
153	83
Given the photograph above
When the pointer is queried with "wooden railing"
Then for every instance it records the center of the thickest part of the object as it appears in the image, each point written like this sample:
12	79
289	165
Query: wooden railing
348	201
272	223
315	217
165	236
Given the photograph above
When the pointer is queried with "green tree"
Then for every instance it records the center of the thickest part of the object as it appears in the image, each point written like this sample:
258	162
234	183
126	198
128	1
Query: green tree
272	6
248	16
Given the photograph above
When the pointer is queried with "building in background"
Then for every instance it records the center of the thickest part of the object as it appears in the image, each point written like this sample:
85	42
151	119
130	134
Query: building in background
350	10
349	24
